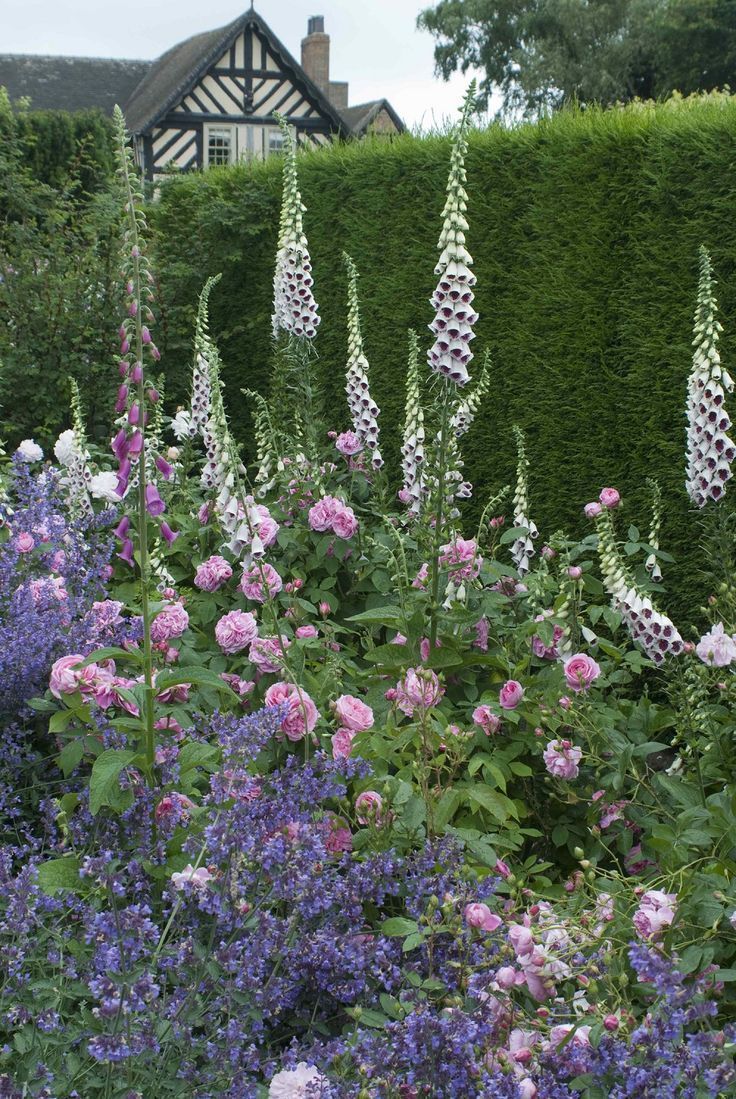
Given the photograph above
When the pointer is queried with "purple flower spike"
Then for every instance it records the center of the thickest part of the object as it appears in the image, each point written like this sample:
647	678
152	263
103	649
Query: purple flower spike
155	353
169	534
154	503
122	528
126	553
153	395
164	468
122	486
124	469
136	444
135	413
137	373
120	445
145	335
122	399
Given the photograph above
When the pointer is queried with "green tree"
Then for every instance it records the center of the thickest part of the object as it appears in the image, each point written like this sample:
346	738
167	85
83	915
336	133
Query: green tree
541	54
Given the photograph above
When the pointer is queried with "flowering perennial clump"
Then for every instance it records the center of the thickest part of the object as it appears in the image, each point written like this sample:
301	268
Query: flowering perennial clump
294	308
453	297
364	411
710	450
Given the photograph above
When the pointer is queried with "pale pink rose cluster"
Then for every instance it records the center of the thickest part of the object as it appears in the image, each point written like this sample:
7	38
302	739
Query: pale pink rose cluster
348	444
420	689
236	631
547	652
609	498
354	717
561	758
198	879
480	918
301	713
169	623
510	694
461	559
581	671
332	514
296	1083
540	945
267	653
485	719
655	913
260	582
212	574
717	648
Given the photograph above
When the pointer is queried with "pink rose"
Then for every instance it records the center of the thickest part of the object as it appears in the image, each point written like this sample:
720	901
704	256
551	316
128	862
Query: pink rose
64	679
506	977
236	631
242	687
171	622
574	572
267	653
212	574
593	509
24	542
579	1037
480	917
561	758
716	648
580	671
322	514
610	497
198	879
304	633
368	807
485	719
348	444
302	714
342	743
345	524
521	939
420	689
510	694
267	526
461	559
656	912
354	714
254	579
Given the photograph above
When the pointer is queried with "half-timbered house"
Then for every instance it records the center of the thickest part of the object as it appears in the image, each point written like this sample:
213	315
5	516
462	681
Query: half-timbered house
210	100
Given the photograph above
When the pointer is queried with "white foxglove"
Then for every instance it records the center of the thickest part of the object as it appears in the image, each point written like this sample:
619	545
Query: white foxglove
294	308
522	549
412	448
364	411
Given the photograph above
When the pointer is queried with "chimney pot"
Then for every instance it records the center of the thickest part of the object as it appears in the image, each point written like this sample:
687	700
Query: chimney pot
316	24
316	53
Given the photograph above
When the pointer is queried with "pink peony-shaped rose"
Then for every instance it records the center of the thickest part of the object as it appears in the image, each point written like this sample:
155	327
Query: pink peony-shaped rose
267	653
610	497
461	559
574	572
716	648
198	879
580	671
305	633
212	574
296	1083
656	912
368	806
593	509
348	444
260	582
236	631
266	525
342	743
353	714
171	622
510	694
561	758
420	689
480	917
322	514
65	675
301	715
485	719
24	542
521	939
345	524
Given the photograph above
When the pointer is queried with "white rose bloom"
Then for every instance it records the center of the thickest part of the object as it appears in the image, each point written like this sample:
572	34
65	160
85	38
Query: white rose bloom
30	451
103	486
293	1083
65	448
181	424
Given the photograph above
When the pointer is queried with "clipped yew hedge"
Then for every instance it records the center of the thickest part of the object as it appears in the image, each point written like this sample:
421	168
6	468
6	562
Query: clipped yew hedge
585	230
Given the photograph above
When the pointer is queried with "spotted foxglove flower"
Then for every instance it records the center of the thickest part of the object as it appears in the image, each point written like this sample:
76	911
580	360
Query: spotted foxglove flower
364	411
453	299
467	406
412	448
266	449
201	386
647	625
652	564
710	450
294	307
522	549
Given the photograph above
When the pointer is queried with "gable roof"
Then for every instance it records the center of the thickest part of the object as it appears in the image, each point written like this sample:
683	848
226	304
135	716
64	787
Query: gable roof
359	118
178	70
70	83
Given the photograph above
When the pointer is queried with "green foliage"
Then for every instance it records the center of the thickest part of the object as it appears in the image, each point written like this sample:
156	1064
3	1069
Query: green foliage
542	54
585	232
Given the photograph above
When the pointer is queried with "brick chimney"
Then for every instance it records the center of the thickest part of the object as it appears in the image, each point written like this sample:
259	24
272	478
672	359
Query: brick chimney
316	53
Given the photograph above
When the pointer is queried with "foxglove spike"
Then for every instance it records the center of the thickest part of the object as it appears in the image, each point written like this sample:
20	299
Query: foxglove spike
294	308
363	410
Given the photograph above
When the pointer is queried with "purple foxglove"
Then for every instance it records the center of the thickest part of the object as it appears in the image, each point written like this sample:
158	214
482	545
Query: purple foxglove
135	445
363	409
169	534
120	445
710	450
122	401
154	504
294	308
126	553
453	298
121	530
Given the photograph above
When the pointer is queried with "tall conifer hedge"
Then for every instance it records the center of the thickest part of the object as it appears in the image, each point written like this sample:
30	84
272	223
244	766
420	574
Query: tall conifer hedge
585	232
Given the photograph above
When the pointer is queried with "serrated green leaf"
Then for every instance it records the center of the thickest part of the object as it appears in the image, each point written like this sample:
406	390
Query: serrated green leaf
396	926
104	783
70	756
58	874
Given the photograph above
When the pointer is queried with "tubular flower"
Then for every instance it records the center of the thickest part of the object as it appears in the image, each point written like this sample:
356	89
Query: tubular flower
201	385
653	630
453	298
464	414
294	307
364	411
710	450
522	549
71	453
412	449
266	450
651	564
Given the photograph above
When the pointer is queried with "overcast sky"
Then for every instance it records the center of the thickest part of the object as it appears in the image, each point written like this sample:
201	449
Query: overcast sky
375	44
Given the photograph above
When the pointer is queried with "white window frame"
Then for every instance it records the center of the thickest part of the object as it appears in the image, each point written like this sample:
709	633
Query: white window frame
268	133
220	129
